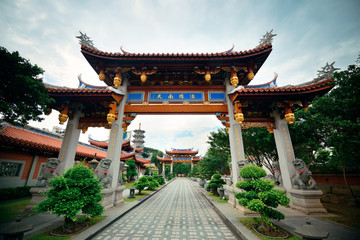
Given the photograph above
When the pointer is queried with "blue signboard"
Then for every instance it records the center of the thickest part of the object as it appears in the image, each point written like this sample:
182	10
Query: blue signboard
217	96
176	96
135	96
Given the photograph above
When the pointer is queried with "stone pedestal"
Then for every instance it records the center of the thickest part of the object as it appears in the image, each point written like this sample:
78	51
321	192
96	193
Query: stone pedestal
37	196
233	201
107	200
307	201
119	198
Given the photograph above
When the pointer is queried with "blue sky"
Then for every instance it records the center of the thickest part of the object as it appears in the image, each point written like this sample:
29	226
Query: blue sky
309	34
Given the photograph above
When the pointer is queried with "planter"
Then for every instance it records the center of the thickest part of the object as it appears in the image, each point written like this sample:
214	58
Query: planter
284	234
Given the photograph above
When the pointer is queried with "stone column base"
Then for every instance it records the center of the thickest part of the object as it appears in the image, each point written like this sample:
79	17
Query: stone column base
119	198
37	196
307	201
108	198
233	201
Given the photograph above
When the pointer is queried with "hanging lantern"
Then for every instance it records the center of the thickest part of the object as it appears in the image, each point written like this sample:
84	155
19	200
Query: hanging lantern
239	117
250	75
234	80
227	129
110	118
289	115
117	80
63	116
102	76
143	77
112	115
207	75
84	129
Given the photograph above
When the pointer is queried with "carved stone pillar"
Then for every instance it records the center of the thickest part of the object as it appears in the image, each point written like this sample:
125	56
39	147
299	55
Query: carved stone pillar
235	137
284	149
69	144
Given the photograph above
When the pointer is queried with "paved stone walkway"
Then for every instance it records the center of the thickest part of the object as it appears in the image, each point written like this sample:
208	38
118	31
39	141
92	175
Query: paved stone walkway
176	212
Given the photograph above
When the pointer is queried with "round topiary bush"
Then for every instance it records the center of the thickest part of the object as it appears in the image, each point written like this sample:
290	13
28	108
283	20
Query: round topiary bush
153	184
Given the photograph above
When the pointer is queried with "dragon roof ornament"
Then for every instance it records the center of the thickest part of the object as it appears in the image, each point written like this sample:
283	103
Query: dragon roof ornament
267	38
85	40
326	72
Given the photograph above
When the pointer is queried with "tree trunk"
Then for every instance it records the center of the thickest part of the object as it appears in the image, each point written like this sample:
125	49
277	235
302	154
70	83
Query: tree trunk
357	202
69	225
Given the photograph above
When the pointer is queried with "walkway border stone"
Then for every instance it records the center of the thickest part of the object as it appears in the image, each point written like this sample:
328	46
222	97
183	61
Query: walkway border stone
226	213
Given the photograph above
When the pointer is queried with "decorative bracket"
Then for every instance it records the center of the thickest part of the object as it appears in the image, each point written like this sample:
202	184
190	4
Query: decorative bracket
144	72
207	72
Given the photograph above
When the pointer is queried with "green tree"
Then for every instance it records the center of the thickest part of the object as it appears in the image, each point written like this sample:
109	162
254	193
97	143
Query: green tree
147	171
260	145
260	196
141	184
216	159
182	168
131	169
215	183
23	96
152	183
74	192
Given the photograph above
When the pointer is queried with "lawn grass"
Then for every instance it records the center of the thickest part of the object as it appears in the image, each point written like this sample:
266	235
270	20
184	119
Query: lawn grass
348	215
137	196
216	198
249	222
129	185
11	210
47	235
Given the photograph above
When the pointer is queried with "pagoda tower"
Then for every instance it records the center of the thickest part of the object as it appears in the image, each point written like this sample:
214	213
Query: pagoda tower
139	138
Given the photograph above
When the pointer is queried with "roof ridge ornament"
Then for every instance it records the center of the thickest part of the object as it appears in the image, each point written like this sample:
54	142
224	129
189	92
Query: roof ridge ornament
326	72
85	40
267	38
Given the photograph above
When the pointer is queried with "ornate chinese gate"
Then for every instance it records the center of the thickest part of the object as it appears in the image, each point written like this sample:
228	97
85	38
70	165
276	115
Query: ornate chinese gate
183	83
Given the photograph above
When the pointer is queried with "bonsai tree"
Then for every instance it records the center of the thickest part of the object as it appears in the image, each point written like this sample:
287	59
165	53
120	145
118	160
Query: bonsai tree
141	184
147	171
131	169
153	184
74	192
215	182
260	196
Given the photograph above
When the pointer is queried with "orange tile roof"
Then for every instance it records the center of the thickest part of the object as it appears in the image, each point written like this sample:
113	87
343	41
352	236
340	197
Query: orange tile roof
183	56
26	138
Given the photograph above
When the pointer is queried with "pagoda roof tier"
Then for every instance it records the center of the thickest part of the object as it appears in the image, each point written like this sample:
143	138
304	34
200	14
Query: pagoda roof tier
294	93
176	67
167	159
175	151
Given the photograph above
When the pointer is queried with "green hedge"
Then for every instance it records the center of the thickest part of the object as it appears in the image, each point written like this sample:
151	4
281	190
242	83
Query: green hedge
13	193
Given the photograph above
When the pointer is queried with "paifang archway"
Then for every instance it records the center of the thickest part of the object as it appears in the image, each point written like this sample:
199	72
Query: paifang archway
182	83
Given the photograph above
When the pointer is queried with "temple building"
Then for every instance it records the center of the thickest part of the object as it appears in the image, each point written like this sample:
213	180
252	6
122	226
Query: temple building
176	155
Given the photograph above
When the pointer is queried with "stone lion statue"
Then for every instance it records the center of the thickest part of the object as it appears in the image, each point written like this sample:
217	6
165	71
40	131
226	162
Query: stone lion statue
242	163
303	178
102	172
47	172
277	174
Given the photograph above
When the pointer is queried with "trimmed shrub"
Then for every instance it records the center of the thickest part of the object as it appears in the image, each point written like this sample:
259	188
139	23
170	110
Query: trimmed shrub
141	184
260	196
14	193
74	192
153	184
215	182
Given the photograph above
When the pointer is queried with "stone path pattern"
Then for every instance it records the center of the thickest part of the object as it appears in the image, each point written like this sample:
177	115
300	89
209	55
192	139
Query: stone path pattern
176	212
